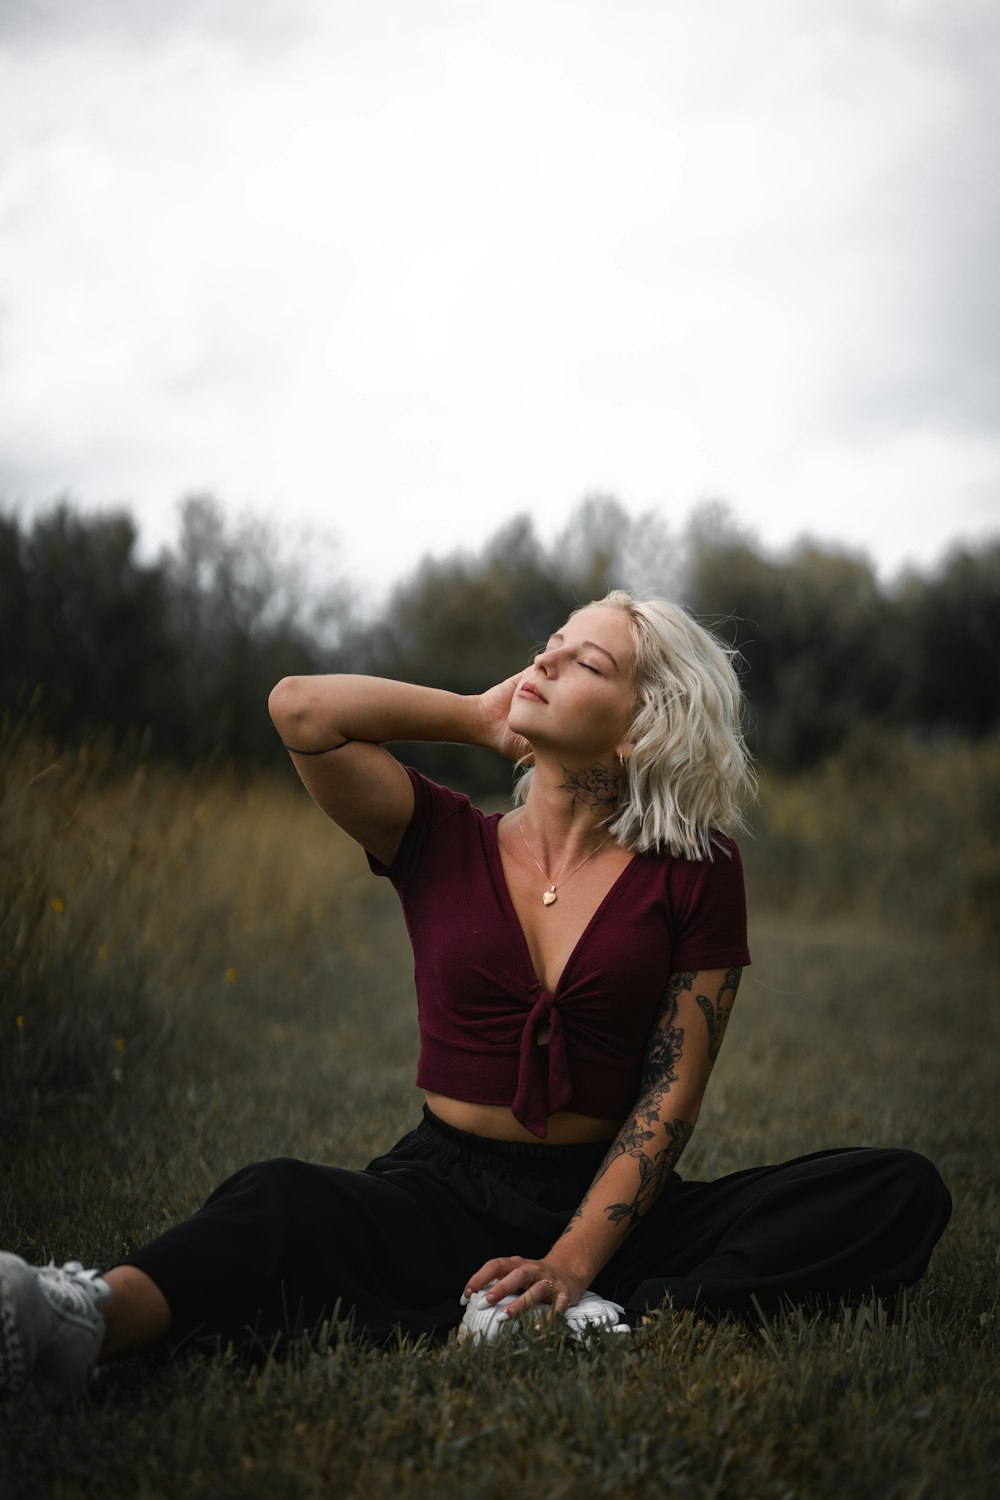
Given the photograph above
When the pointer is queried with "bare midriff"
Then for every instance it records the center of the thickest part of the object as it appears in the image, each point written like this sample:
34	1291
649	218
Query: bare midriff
496	1122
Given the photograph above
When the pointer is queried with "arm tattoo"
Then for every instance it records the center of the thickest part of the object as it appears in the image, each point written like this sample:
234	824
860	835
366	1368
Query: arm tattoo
659	1073
596	787
653	1173
717	1016
663	1053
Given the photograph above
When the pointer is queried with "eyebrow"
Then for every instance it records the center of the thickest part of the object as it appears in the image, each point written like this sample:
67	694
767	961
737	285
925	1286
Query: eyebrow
557	635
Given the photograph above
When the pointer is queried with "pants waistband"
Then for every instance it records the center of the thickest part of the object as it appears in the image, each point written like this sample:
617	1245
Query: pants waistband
483	1151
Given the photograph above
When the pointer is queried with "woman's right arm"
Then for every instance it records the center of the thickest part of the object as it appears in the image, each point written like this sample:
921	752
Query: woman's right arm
333	727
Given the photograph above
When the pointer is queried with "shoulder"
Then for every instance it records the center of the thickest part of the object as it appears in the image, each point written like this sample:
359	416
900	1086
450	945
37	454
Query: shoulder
713	878
707	903
723	862
435	809
434	801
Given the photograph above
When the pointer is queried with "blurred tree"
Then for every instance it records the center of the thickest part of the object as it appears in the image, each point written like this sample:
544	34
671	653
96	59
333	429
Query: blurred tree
244	611
187	648
463	623
603	547
951	625
814	631
83	625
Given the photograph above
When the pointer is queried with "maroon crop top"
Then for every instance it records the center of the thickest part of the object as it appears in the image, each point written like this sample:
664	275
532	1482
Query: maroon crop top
479	1001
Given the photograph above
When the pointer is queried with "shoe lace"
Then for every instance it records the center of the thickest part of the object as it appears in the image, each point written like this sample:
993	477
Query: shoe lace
594	1311
72	1290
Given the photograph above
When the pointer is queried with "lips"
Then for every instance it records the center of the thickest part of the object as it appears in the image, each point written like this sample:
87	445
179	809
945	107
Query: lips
526	690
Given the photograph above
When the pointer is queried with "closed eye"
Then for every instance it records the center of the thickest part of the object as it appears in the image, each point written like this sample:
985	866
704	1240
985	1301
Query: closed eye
588	668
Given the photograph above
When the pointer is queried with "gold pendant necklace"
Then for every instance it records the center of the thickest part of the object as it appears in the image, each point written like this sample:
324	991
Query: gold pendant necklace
551	895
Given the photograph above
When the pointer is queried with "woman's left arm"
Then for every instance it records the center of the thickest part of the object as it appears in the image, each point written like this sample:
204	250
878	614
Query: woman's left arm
683	1045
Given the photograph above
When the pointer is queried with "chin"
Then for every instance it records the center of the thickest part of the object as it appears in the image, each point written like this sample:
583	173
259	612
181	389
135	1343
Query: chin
519	721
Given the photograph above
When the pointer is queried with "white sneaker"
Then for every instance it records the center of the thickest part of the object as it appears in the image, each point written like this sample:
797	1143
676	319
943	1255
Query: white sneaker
596	1312
50	1327
483	1324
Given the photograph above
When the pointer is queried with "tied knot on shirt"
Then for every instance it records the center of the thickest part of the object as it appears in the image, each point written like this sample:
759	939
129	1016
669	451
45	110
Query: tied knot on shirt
543	1081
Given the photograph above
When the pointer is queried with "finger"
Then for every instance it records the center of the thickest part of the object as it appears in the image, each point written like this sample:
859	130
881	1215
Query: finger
491	1271
536	1300
540	1293
521	1279
494	1288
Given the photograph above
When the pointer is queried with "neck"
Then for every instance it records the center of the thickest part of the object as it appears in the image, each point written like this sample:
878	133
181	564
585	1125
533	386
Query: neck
569	807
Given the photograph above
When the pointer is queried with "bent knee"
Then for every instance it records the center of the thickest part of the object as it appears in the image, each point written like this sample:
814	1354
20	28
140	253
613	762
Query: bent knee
919	1179
271	1177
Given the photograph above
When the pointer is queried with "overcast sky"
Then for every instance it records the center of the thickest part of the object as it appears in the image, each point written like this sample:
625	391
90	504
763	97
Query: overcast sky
402	268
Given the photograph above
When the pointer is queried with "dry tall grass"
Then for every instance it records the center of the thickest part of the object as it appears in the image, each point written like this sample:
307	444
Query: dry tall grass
197	971
897	831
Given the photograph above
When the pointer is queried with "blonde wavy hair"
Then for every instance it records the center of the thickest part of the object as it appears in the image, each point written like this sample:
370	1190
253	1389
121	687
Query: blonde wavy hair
689	772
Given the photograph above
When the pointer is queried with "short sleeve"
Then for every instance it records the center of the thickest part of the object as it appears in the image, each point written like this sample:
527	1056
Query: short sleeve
712	928
432	805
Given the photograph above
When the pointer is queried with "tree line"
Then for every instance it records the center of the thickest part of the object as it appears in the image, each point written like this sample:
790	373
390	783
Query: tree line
181	651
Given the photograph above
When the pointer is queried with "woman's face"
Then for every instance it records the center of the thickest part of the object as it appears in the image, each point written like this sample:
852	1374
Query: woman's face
577	696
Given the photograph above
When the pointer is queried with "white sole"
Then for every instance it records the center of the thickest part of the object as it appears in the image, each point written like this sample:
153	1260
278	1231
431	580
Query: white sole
14	1371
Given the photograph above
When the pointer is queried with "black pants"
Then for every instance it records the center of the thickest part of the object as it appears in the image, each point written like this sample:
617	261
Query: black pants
284	1244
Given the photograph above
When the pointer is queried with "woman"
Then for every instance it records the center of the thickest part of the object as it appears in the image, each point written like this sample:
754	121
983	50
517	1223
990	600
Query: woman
576	962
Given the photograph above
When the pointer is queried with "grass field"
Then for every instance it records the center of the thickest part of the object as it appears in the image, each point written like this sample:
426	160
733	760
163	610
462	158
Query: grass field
198	971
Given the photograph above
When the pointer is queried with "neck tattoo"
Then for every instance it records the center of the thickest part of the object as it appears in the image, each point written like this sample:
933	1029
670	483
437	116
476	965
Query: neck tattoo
596	787
551	895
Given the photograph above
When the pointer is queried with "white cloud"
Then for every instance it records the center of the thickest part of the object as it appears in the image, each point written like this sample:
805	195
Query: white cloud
405	269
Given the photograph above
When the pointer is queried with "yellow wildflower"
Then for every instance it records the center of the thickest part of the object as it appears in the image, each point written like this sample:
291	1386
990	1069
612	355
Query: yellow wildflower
119	1044
230	975
58	904
20	1023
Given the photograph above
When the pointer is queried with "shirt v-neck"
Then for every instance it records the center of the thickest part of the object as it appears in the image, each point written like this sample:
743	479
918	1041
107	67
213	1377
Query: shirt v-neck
493	845
480	1006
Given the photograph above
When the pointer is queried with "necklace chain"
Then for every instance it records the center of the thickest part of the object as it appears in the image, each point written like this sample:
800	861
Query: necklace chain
551	895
